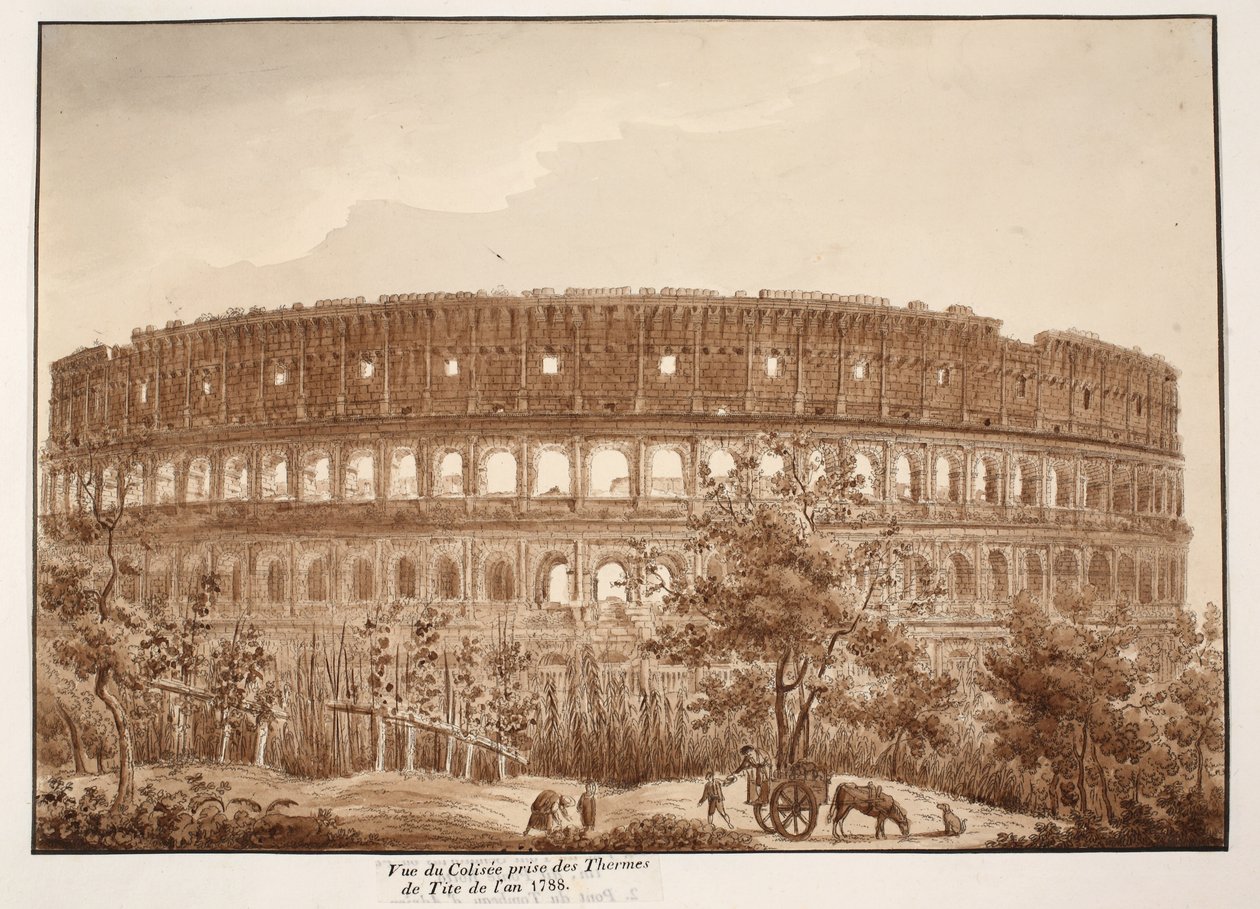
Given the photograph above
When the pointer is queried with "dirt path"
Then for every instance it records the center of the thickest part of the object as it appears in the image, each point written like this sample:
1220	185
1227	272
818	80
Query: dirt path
431	813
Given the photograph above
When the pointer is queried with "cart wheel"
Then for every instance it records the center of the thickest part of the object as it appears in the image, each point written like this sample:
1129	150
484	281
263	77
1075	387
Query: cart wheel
793	810
762	814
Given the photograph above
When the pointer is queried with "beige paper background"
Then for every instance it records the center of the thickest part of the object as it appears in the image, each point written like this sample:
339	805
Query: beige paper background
1058	222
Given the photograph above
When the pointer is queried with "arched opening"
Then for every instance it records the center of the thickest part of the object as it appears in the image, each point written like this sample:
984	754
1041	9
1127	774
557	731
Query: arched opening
553	474
317	581
236	587
360	476
1162	579
277	582
1062	486
962	579
610	474
451	474
999	577
1126	579
134	481
558	583
197	486
769	468
1066	573
235	479
1145	588
159	583
916	578
1024	482
316	477
1159	490
1034	575
403	479
362	582
405	578
1100	575
1143	491
1095	485
667	473
985	487
721	464
905	480
164	484
501	474
446	579
864	475
610	582
500	581
1122	491
947	479
274	478
657	585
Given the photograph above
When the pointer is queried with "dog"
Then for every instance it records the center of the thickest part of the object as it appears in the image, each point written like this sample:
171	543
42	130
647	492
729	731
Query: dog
954	825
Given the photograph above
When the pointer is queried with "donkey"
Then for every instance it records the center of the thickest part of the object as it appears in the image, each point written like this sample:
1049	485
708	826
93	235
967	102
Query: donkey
871	801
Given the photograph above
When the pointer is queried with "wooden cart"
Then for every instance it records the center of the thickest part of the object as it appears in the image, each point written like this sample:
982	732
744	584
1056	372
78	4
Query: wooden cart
789	802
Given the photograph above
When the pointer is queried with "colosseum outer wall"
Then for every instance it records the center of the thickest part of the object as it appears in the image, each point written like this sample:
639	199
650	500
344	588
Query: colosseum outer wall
282	444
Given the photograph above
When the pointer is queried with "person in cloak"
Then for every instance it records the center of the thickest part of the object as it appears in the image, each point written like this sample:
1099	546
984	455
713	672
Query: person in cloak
549	811
586	805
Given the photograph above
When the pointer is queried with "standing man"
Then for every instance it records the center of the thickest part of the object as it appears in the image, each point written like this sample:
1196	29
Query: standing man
757	766
586	806
715	797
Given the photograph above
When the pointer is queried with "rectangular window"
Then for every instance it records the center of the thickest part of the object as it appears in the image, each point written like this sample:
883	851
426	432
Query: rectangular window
772	366
452	367
282	375
367	368
144	393
669	364
551	365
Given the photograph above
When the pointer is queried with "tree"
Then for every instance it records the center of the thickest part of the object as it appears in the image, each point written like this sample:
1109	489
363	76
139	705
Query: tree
1195	702
804	569
94	628
1062	687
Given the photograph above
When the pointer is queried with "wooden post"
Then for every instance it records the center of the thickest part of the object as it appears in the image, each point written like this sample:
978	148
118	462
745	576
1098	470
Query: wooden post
223	743
411	748
180	729
468	756
450	753
380	743
502	762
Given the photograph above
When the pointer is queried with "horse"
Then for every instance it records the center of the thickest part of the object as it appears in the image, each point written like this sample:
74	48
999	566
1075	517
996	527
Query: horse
871	801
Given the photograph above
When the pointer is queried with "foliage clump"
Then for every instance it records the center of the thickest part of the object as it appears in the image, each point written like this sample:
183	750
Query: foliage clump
659	833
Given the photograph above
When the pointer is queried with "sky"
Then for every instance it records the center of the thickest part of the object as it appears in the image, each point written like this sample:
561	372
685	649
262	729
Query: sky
1049	174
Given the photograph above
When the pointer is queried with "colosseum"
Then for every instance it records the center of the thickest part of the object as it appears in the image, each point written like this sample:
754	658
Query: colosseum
495	452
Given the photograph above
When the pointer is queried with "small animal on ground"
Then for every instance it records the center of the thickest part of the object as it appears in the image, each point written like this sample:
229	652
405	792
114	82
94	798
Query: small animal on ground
954	825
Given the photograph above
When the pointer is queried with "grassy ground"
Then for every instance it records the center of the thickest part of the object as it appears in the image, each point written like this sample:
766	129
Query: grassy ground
432	813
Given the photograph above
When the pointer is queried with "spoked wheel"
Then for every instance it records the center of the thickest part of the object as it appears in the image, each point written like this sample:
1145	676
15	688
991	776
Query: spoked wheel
793	810
762	814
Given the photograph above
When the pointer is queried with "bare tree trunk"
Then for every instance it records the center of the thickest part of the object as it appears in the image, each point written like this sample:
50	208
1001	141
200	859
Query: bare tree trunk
780	715
1082	794
126	759
76	742
1108	808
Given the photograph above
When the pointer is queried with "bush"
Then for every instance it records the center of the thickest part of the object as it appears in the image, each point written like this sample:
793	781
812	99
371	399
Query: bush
660	833
195	817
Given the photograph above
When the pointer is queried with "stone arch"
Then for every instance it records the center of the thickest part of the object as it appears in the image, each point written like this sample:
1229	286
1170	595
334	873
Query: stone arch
1161	578
1026	482
986	479
721	463
1034	575
273	475
235	478
552	471
1143	489
960	578
448	577
134	481
406	577
229	567
499	578
160	580
1146	589
273	576
666	472
317	476
908	477
1126	578
553	578
497	472
1066	572
999	576
1095	475
404	479
947	472
448	472
359	475
1100	574
165	483
197	480
917	577
769	466
1122	489
608	471
358	577
1160	491
1061	485
868	465
316	577
611	580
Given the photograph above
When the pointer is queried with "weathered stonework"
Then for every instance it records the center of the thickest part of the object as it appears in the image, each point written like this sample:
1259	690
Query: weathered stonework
322	458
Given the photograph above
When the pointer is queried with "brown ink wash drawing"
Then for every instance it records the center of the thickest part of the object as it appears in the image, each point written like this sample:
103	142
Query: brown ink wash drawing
615	569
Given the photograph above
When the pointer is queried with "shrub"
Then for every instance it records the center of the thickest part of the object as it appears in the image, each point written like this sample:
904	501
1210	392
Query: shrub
660	833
